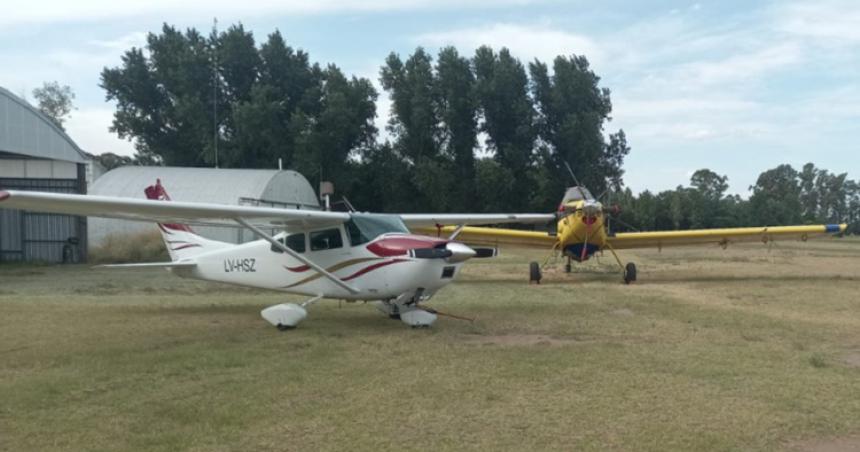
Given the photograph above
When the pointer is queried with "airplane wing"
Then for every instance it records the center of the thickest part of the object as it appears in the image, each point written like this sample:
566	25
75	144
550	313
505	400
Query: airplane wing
431	220
204	214
630	240
493	236
661	239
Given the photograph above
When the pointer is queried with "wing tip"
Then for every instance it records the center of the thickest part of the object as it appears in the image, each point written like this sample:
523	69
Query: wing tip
4	195
830	228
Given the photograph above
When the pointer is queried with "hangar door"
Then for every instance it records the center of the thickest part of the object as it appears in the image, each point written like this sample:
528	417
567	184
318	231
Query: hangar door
32	236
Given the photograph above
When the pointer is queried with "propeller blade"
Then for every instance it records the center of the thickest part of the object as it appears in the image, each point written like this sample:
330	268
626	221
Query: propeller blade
486	252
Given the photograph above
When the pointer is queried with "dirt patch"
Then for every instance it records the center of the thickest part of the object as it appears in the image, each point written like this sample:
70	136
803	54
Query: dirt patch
844	444
514	340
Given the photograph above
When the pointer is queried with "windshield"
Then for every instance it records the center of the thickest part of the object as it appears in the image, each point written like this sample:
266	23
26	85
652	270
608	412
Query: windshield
575	194
364	227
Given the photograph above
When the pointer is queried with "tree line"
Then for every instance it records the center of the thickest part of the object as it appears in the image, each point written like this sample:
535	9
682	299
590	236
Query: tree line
481	132
780	196
187	94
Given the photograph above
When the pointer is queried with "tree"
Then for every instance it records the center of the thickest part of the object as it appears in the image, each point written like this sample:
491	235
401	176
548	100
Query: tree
776	197
710	184
508	117
413	120
55	102
495	185
572	109
188	95
434	124
708	189
457	110
343	126
808	192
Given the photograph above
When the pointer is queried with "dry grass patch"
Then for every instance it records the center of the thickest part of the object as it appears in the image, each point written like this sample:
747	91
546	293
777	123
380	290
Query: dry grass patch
710	350
122	248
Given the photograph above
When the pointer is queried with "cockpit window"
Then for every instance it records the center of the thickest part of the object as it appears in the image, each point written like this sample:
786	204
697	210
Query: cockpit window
327	239
362	228
295	242
576	194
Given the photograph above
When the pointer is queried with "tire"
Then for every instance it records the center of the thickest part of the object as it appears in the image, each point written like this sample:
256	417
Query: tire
534	272
630	273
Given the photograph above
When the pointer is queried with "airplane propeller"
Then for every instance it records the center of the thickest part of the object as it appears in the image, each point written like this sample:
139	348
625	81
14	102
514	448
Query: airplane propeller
453	251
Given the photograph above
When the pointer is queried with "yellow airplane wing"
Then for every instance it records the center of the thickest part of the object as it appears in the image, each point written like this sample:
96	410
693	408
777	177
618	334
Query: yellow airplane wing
629	240
493	236
659	239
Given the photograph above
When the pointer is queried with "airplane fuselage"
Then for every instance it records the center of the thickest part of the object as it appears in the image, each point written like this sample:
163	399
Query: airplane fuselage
257	264
581	229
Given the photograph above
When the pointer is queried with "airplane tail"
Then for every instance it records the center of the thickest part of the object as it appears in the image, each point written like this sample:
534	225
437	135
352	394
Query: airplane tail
181	241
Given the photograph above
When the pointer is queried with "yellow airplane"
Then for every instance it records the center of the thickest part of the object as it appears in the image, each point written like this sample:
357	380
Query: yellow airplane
582	231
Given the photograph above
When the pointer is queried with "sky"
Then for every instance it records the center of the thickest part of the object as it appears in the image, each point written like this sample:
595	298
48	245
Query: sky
734	86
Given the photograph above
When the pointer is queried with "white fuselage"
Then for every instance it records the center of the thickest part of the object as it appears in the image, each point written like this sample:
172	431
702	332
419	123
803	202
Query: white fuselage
376	270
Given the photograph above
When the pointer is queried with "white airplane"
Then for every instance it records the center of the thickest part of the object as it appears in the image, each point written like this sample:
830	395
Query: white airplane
321	254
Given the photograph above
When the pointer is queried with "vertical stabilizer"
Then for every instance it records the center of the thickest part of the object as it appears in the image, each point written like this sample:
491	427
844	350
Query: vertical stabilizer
181	241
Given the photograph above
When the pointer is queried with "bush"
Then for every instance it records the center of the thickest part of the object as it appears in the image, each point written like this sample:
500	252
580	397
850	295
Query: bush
137	247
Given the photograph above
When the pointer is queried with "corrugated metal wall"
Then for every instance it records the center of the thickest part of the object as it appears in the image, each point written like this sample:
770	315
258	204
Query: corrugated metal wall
30	236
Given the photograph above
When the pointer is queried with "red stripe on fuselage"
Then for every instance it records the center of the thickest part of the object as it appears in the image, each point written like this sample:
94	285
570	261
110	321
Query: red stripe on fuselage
299	269
190	245
4	195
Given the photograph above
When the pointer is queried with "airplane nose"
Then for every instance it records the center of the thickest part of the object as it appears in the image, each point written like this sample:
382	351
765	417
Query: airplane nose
592	208
459	252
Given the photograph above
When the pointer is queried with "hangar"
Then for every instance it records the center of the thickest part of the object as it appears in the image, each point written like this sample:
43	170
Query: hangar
250	187
35	154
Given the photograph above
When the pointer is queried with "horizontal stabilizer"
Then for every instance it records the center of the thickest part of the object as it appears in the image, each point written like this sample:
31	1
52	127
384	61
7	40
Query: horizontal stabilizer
151	265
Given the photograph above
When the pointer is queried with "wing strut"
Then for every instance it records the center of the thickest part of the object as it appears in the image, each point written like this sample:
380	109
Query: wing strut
297	256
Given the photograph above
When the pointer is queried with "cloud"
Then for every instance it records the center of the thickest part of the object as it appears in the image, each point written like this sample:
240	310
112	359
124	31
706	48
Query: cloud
61	11
88	127
527	42
833	20
122	43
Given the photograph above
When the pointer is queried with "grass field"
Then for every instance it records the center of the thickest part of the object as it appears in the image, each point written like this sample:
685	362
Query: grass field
738	349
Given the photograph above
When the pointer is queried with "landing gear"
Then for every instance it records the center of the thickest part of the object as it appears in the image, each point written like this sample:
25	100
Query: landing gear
287	316
284	316
567	267
534	273
406	309
629	273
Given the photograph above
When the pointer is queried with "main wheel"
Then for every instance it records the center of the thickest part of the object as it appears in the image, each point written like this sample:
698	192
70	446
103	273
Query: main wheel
282	327
630	273
534	272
